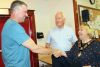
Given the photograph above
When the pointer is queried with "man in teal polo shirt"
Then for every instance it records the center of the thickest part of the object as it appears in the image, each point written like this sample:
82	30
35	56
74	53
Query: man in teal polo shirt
15	42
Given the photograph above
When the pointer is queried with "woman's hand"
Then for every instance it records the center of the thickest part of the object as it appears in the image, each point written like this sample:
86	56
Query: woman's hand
87	66
57	53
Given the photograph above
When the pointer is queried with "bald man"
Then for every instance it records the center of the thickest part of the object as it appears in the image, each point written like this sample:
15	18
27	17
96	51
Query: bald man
62	38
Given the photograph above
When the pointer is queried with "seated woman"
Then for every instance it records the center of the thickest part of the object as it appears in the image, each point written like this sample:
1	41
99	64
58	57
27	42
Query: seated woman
86	51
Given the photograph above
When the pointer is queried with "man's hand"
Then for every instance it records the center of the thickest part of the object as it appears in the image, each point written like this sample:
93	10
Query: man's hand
64	54
58	53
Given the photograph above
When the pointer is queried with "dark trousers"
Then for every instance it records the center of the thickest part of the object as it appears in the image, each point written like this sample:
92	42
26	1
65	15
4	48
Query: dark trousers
59	62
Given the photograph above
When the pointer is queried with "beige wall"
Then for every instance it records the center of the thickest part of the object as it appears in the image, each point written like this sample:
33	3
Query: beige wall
45	11
5	3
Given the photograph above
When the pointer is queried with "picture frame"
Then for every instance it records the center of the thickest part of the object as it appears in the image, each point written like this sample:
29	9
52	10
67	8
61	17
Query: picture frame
89	15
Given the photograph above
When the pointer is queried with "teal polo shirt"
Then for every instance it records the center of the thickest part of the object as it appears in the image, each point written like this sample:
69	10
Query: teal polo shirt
13	52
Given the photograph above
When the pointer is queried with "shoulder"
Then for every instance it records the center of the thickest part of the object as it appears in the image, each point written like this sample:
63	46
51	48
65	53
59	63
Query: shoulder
95	45
76	44
12	26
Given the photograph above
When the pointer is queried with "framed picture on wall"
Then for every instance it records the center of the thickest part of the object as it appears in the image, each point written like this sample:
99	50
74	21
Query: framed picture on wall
89	16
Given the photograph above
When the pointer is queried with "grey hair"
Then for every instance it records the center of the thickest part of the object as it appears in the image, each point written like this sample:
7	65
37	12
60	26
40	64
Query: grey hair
16	4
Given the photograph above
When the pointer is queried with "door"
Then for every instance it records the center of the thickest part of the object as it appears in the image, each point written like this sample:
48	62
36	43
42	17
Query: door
29	26
2	20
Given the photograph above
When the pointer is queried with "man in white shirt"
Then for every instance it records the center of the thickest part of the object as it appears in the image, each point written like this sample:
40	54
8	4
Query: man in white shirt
61	38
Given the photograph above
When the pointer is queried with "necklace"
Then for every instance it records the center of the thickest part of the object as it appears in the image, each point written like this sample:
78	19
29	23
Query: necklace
82	46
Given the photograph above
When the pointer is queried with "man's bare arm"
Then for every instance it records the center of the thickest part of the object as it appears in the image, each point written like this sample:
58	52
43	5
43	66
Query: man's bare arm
36	48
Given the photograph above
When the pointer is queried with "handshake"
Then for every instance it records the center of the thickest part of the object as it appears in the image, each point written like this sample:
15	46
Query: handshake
58	53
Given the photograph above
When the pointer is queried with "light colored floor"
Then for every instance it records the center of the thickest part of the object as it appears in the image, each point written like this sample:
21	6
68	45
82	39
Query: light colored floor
43	64
45	60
